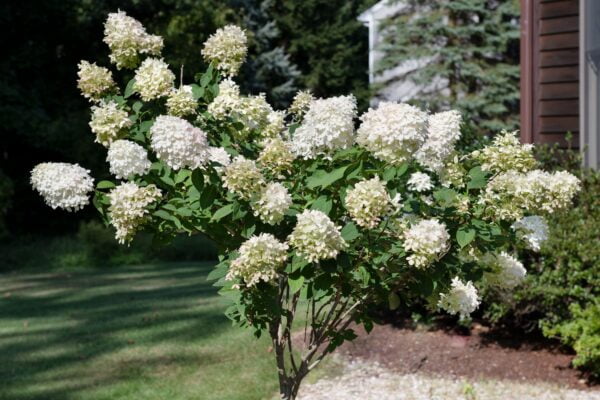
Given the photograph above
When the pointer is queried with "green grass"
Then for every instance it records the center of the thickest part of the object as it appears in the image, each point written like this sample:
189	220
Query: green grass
147	332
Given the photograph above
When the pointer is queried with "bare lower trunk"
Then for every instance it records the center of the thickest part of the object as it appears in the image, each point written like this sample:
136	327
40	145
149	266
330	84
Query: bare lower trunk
288	388
322	322
289	381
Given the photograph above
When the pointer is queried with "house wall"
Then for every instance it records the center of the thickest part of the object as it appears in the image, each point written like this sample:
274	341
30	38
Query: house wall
550	71
589	88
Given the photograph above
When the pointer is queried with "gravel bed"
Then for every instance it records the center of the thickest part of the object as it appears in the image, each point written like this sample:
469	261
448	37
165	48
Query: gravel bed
370	381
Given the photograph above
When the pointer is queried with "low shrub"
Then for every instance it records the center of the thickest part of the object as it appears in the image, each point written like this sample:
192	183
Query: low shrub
582	332
560	295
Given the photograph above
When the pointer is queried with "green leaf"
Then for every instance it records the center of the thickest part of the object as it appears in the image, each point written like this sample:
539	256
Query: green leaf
105	185
222	212
182	175
389	174
401	170
247	232
205	80
324	179
167	180
197	91
322	204
356	172
298	263
198	180
207	197
295	284
364	275
350	232
219	272
393	301
464	236
129	88
445	196
145	126
98	204
137	106
164	215
184	212
478	178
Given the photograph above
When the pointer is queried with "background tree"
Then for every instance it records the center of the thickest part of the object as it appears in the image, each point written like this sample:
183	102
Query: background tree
269	69
474	45
328	44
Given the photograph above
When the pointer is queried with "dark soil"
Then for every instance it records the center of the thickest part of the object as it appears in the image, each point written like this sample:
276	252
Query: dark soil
478	353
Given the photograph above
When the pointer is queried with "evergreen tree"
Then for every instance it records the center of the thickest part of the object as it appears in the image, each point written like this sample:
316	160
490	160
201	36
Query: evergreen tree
268	69
328	44
474	45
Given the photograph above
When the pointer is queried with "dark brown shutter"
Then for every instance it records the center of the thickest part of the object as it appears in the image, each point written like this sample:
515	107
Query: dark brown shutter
549	70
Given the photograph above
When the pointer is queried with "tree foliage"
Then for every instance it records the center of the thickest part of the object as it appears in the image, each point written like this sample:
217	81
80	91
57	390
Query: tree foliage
269	68
473	44
328	44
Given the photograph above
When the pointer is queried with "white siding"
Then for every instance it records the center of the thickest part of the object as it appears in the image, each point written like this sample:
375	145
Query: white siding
393	84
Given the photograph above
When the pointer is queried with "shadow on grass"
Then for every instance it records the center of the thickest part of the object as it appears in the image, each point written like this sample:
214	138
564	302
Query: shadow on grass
53	327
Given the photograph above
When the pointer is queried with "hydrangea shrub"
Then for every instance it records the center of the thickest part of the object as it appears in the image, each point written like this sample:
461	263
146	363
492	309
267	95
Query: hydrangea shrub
318	214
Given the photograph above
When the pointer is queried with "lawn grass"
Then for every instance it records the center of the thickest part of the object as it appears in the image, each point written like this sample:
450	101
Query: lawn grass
148	332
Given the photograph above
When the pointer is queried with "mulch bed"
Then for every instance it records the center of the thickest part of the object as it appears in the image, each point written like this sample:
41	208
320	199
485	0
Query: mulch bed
478	353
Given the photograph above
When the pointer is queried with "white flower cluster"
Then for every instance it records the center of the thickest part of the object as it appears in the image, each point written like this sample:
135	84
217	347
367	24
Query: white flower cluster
509	195
367	202
226	101
427	240
109	123
181	102
462	298
301	103
316	237
227	47
328	126
506	153
393	132
94	81
127	158
275	124
178	143
63	185
453	173
506	271
129	207
219	155
127	39
243	178
276	156
259	260
533	230
419	182
254	112
443	131
153	79
272	204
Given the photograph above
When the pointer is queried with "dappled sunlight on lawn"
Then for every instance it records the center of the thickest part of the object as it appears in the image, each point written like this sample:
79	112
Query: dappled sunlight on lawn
151	331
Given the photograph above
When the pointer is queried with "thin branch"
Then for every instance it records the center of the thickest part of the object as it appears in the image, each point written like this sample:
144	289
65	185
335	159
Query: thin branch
306	322
288	327
331	310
